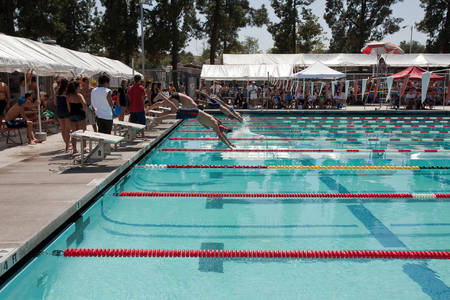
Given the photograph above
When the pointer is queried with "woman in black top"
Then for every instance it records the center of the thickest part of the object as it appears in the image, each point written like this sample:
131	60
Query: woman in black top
155	91
62	113
123	99
77	110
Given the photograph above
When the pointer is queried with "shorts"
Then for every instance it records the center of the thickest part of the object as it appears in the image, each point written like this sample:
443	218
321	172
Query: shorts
2	107
187	113
138	117
213	103
90	117
77	118
104	126
16	124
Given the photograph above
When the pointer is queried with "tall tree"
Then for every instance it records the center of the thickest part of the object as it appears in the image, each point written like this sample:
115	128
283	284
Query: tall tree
224	18
284	33
250	45
436	23
170	25
355	22
7	16
310	35
119	28
37	19
416	47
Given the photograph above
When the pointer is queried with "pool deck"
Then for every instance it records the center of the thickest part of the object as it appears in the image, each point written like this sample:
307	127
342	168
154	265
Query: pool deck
41	188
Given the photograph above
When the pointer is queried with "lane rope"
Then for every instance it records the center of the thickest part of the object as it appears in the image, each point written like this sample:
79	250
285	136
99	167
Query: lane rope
330	131
315	139
423	196
329	126
374	122
163	166
348	118
306	150
252	254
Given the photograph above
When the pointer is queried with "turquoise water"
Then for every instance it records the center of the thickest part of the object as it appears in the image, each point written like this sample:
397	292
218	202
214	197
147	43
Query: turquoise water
239	223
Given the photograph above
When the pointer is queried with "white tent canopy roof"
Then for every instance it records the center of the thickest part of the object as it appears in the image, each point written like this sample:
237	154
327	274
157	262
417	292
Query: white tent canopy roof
339	59
21	54
246	72
318	71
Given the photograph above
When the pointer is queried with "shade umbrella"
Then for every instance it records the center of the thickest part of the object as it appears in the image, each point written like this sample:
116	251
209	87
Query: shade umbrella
379	48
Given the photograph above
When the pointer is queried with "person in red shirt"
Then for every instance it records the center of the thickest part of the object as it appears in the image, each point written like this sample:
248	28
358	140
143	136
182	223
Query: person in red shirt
136	95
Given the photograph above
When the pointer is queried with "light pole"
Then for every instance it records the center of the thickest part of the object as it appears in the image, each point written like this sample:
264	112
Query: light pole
142	36
411	40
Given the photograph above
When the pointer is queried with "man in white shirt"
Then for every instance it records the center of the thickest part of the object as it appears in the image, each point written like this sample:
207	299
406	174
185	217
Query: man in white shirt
102	105
216	88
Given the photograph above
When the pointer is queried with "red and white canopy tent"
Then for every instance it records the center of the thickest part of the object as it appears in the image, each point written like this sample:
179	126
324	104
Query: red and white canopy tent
415	73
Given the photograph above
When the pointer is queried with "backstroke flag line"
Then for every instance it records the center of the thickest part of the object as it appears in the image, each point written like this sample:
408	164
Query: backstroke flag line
347	82
425	82
321	87
363	88
332	88
389	82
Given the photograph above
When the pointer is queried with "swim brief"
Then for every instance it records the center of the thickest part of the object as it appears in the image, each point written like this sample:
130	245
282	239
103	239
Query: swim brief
213	103
187	113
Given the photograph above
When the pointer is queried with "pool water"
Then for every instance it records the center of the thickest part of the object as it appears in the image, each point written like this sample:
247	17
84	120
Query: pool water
255	223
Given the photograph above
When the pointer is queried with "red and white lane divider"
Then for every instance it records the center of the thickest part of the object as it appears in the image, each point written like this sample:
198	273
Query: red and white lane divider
329	131
314	139
429	196
304	150
332	126
347	118
405	122
256	254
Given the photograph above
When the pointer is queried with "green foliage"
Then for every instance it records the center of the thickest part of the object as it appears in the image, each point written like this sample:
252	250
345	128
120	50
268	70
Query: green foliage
170	25
250	45
119	28
223	19
7	16
436	23
298	29
416	47
356	22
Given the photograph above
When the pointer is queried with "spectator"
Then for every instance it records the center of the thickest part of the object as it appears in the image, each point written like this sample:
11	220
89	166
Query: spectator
86	92
77	109
216	88
5	98
136	94
101	101
239	99
123	98
172	89
17	111
155	91
62	114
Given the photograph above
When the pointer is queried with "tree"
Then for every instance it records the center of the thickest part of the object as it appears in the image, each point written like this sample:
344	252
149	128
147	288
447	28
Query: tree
298	29
7	16
223	19
37	19
310	35
250	45
355	22
170	25
119	28
436	23
416	47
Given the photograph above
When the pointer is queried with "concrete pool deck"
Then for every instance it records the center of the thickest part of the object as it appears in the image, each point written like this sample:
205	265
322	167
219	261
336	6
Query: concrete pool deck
41	188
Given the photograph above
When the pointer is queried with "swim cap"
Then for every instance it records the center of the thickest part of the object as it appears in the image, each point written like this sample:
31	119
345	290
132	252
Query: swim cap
21	100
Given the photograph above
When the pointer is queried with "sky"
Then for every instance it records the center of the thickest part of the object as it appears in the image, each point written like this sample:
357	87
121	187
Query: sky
409	10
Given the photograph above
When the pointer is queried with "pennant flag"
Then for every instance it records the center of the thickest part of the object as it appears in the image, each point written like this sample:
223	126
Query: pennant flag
404	85
355	87
363	88
332	88
292	86
425	82
321	87
347	82
304	86
389	82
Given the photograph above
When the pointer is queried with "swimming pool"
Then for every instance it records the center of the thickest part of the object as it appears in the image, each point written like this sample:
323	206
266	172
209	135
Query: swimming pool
253	223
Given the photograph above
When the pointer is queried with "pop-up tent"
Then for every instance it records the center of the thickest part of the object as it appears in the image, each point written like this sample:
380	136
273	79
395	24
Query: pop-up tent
246	72
318	71
415	73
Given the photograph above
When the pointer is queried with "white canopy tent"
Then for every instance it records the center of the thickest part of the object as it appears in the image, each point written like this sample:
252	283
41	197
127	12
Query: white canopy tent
21	54
318	71
339	59
246	72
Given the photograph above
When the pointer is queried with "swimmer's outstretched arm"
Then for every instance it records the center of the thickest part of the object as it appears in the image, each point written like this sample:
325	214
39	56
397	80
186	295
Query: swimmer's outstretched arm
223	137
224	107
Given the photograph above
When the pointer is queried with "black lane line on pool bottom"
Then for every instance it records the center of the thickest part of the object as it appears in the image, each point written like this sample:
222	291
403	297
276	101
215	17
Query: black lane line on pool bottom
208	264
78	234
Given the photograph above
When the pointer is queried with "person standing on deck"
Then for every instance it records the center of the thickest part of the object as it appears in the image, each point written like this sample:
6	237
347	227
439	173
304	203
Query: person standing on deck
86	91
136	94
5	98
102	104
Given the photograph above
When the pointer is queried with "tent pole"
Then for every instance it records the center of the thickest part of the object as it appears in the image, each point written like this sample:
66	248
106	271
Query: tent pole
39	103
